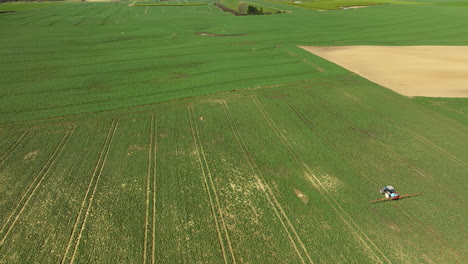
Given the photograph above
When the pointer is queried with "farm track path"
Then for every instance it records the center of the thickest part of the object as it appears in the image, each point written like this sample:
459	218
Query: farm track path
151	193
210	187
350	223
269	194
36	183
82	216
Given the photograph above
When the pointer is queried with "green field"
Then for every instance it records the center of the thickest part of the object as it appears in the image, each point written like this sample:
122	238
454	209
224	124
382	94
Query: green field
184	134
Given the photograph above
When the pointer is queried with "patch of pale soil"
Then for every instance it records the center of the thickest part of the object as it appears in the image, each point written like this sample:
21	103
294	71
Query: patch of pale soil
134	148
432	71
301	196
330	183
344	7
31	155
353	7
394	227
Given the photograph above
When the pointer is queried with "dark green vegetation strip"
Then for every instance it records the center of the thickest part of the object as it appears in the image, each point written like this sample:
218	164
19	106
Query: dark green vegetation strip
190	4
169	134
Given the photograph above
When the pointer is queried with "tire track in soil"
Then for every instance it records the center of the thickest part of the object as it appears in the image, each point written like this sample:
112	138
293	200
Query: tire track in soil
422	226
148	174
82	216
80	12
151	189
210	187
46	17
269	194
318	68
354	228
438	148
153	251
426	230
13	146
418	171
36	183
103	22
416	135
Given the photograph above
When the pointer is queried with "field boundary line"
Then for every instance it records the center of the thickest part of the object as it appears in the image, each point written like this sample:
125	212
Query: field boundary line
87	199
207	176
354	228
13	146
36	183
269	194
429	178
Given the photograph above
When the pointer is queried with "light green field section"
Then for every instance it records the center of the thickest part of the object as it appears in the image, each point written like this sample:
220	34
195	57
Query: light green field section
267	175
184	134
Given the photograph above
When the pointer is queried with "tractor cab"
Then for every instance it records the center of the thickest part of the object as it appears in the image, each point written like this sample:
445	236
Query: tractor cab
390	192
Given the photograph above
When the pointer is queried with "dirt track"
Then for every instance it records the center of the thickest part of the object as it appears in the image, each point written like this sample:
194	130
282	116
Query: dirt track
432	71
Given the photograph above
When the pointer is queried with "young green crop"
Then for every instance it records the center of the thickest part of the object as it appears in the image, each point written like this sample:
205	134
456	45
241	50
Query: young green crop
184	134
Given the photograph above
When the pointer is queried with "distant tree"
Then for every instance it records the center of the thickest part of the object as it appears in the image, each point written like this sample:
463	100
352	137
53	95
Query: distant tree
253	10
242	7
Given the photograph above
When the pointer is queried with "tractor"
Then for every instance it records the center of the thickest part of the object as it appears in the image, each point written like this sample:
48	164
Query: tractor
390	193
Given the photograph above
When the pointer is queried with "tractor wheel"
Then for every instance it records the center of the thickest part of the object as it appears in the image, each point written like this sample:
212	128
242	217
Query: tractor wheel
387	195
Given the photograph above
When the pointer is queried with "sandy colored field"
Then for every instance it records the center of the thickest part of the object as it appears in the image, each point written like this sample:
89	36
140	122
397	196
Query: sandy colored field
432	71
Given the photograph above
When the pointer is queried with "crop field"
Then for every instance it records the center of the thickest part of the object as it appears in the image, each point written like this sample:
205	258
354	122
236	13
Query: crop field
179	133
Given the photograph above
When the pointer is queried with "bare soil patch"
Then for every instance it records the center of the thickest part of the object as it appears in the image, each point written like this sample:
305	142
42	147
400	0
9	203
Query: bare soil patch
301	196
353	7
432	71
218	35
